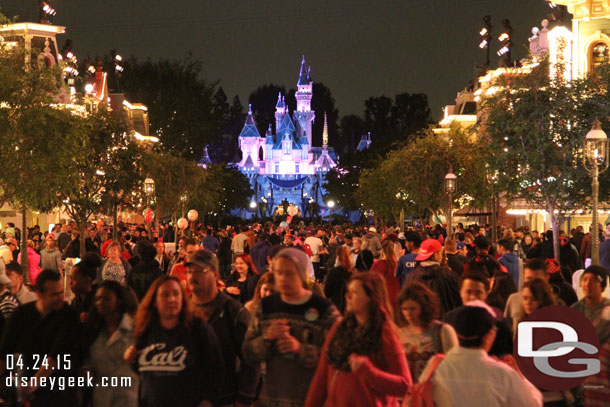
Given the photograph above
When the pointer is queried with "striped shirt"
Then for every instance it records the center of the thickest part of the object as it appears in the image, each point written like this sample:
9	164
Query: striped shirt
8	303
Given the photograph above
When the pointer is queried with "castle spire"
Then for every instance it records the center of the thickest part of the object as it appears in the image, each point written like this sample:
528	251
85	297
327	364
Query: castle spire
280	101
302	66
325	133
303	76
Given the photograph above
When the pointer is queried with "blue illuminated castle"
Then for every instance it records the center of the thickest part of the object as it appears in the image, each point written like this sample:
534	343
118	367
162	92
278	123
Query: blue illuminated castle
285	170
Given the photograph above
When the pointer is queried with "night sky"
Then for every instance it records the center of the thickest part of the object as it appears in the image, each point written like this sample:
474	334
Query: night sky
357	48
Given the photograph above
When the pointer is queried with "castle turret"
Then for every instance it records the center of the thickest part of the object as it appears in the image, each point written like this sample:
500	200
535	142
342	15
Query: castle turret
280	108
304	115
249	139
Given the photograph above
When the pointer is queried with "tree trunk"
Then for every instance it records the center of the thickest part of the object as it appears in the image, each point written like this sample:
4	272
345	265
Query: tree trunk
115	227
555	227
25	264
175	222
82	229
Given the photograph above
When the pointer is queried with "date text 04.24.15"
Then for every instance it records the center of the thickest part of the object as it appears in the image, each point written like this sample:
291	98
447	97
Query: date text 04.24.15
36	362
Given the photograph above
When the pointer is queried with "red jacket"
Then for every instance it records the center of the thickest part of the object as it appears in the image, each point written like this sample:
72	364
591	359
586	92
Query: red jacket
392	283
376	383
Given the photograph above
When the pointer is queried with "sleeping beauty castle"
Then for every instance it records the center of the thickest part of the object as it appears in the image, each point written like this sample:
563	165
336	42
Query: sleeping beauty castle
285	170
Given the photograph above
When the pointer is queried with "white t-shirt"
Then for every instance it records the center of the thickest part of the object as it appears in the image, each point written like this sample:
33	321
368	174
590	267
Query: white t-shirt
315	244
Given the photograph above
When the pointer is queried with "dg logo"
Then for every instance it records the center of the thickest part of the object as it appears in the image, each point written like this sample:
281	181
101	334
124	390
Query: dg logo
556	348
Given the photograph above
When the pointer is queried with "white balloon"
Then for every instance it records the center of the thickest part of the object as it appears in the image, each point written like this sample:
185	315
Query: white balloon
193	215
183	223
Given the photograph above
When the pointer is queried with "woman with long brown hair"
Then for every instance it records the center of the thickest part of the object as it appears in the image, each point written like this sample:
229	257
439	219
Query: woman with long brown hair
362	362
264	288
536	294
241	283
421	333
386	266
177	355
336	279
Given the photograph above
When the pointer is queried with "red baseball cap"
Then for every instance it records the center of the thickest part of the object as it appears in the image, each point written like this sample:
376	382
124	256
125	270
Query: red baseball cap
428	248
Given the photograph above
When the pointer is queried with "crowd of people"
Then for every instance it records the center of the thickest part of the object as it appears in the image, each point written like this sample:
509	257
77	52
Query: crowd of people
289	315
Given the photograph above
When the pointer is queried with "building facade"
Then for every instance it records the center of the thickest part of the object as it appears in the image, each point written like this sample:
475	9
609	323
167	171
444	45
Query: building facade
285	170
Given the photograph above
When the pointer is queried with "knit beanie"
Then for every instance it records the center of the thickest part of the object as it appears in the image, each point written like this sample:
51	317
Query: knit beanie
299	258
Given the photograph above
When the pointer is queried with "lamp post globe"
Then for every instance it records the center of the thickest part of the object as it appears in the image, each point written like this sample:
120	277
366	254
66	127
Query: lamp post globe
149	186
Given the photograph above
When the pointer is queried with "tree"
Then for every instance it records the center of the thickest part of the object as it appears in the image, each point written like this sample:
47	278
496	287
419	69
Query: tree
179	101
40	142
230	120
343	181
394	120
174	177
411	178
352	128
234	189
215	189
108	171
535	127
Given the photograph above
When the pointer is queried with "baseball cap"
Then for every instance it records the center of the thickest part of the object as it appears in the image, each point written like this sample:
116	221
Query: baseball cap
373	229
428	248
203	259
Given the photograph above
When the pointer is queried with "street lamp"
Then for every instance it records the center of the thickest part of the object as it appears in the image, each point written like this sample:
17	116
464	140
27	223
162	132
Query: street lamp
485	34
263	207
331	205
311	207
149	186
491	180
595	160
450	188
149	190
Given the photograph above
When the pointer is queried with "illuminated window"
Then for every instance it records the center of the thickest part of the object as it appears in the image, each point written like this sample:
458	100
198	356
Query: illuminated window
599	54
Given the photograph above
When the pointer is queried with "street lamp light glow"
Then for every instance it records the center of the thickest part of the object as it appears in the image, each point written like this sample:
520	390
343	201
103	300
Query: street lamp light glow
450	182
331	204
149	186
596	145
252	205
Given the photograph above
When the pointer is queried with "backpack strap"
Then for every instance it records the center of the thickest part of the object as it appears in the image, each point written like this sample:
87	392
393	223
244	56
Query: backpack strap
436	360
